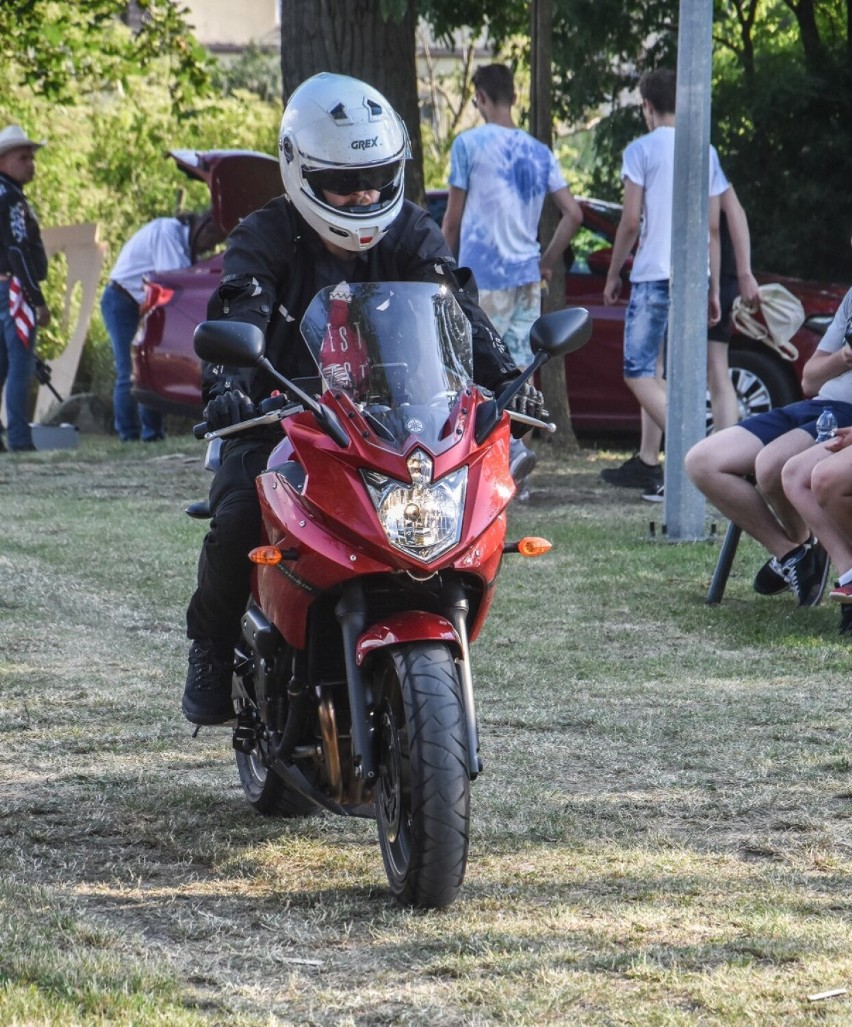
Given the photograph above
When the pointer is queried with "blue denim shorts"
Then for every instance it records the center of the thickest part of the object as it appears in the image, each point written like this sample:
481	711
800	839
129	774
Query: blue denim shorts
772	424
645	325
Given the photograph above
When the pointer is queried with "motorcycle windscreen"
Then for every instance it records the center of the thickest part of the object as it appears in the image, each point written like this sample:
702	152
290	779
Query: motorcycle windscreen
402	351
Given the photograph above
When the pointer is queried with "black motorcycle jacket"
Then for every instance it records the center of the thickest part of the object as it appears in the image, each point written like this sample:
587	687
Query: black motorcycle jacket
22	252
275	264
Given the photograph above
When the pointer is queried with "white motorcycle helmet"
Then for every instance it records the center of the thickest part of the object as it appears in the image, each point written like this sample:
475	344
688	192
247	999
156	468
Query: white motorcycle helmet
342	136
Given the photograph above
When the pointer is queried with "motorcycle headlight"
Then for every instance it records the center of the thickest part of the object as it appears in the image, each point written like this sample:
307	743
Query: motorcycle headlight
421	518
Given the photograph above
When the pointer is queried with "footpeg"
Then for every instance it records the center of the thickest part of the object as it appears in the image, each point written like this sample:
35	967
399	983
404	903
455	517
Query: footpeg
245	737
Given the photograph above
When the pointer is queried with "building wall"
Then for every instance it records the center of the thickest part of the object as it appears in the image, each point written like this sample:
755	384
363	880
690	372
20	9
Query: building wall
227	26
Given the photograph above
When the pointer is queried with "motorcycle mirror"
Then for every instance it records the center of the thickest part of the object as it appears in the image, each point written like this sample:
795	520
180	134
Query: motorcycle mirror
552	335
236	343
240	344
561	332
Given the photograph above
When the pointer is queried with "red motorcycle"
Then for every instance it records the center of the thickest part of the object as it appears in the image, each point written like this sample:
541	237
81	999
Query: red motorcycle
384	516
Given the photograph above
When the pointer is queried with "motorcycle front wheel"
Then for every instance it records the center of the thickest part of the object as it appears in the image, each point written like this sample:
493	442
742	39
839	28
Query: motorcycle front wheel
423	789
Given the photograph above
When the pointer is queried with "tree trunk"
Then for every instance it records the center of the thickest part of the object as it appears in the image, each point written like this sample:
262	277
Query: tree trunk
553	381
350	37
805	13
745	12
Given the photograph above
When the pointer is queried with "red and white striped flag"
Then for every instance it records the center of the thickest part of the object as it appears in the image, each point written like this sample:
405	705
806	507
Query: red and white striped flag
21	311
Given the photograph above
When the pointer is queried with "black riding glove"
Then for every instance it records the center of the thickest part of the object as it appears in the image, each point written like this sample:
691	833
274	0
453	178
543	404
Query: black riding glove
529	401
229	408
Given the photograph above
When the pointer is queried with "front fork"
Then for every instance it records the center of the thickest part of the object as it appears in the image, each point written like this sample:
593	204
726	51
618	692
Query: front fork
457	611
351	611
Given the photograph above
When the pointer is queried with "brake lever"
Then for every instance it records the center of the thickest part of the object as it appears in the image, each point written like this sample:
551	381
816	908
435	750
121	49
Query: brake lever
533	422
200	430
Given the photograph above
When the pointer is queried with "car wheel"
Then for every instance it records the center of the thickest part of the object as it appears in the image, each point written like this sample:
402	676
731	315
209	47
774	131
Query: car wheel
761	381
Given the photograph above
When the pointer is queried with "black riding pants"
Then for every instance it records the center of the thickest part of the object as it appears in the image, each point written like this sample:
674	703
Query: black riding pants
224	570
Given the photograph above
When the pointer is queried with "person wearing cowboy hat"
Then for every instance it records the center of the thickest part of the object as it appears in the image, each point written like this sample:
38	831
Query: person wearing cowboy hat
23	265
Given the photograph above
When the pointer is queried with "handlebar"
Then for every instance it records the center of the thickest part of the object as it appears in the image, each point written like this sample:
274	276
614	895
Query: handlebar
534	422
283	409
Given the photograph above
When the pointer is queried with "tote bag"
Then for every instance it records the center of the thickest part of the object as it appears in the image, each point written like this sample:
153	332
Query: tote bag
777	320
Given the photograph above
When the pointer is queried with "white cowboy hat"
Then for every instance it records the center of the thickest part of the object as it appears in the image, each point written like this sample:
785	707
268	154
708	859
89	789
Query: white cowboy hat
13	137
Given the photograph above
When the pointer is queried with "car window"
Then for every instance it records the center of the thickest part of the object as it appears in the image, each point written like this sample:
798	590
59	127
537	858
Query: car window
436	204
583	245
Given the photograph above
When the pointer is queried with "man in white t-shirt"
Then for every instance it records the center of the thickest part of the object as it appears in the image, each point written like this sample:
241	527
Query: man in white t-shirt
648	175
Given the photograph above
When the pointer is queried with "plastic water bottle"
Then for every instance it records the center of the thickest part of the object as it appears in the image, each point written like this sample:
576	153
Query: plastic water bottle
826	425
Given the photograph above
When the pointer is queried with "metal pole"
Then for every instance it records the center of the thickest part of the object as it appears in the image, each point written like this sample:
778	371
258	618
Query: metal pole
686	357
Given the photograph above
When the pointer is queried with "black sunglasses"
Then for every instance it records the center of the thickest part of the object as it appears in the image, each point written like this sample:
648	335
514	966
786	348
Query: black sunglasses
344	182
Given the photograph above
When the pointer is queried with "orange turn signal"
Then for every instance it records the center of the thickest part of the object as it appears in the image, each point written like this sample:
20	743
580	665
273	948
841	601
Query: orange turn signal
268	555
532	546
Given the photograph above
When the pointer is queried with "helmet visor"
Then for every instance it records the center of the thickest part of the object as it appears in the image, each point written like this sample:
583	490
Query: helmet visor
345	181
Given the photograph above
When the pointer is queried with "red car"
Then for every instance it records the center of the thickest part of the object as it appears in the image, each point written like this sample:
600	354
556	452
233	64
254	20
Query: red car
166	370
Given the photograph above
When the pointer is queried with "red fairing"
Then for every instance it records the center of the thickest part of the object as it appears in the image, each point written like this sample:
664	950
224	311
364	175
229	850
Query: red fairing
335	530
404	628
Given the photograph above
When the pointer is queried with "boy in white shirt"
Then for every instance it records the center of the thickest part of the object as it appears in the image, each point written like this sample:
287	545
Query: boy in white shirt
648	175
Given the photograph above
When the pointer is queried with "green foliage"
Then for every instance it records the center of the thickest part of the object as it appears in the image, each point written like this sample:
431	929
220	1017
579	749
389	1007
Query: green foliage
106	162
782	111
436	158
256	70
601	47
785	143
503	18
62	51
111	102
393	10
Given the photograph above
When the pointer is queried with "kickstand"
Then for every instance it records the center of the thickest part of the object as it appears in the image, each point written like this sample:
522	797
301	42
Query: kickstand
195	732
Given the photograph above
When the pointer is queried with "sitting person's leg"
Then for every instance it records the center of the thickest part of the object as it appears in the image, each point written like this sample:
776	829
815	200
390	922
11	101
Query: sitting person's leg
768	469
819	484
801	560
832	488
797	478
719	466
831	485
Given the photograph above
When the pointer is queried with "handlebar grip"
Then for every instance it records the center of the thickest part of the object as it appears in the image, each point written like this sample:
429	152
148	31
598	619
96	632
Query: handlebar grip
200	430
273	403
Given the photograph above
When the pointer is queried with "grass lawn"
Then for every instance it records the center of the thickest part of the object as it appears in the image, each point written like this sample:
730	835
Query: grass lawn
662	834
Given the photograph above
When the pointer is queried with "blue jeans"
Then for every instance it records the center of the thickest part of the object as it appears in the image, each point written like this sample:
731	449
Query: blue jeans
17	363
645	324
121	317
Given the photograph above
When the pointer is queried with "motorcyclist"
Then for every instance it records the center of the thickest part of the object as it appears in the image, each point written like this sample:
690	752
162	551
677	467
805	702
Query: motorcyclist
343	218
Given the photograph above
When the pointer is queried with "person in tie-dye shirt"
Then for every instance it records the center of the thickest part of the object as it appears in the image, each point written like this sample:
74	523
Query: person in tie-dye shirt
499	178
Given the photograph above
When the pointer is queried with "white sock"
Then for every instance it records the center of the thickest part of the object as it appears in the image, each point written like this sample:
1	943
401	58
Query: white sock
845	579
